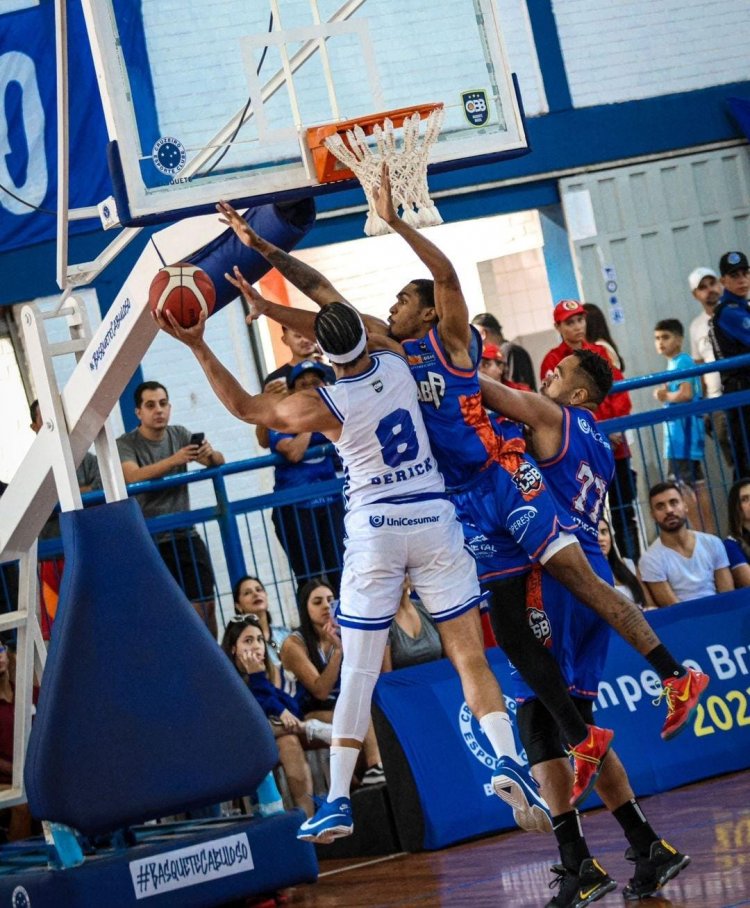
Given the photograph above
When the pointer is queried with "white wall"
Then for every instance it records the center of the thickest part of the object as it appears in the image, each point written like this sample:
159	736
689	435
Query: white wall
622	50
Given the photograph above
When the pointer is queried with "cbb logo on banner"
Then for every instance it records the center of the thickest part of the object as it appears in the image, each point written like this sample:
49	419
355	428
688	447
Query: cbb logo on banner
476	107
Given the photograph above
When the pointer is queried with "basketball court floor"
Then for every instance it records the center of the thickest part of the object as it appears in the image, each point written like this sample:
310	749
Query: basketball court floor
710	821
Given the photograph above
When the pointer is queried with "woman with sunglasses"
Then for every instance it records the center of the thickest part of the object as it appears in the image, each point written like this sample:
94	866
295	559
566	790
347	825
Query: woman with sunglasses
251	598
245	645
312	654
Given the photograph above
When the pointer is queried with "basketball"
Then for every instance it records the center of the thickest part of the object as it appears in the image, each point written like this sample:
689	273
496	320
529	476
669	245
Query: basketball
184	290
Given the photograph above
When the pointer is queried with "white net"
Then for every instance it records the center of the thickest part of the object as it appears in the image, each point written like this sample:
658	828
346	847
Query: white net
407	164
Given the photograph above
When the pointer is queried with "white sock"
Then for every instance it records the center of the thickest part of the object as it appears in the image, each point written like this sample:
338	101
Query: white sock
343	761
499	730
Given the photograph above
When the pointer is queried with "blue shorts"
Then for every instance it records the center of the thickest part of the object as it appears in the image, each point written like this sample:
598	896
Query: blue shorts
576	635
509	518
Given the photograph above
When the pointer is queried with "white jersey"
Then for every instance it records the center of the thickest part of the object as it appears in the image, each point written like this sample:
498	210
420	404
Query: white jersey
383	442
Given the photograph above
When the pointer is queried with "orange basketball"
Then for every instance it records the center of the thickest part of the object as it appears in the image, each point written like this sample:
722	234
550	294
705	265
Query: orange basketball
184	290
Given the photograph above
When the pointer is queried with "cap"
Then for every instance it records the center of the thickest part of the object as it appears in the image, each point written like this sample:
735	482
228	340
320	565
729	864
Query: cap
697	274
307	365
566	309
732	261
492	351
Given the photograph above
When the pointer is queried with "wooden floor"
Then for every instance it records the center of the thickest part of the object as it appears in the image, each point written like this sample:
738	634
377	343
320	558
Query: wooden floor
710	821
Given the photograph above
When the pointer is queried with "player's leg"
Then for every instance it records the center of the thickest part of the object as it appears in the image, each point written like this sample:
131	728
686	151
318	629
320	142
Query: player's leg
373	575
444	574
580	877
682	687
520	520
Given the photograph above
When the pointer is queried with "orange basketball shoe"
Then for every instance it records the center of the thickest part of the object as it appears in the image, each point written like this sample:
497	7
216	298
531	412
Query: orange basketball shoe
682	696
588	757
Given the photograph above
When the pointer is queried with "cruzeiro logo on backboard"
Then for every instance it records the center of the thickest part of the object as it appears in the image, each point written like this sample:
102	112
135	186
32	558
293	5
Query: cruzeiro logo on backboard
169	155
476	108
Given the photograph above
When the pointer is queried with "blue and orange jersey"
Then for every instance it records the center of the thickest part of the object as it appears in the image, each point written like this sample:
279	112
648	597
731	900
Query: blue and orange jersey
580	474
461	435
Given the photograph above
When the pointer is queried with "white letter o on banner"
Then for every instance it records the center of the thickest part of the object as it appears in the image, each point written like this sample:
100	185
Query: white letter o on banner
18	67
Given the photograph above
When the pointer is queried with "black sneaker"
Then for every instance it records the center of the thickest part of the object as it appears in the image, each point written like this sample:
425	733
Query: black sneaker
592	882
662	865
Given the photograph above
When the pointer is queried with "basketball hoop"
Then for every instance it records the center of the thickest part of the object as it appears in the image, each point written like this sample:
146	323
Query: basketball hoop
407	160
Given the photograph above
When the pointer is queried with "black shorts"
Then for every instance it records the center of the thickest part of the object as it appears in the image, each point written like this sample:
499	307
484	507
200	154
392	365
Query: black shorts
188	561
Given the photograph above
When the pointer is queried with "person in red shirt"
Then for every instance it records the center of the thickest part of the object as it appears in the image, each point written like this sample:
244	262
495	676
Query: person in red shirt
570	321
493	364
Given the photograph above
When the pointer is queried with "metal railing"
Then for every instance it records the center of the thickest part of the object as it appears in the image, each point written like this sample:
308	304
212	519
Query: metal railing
240	535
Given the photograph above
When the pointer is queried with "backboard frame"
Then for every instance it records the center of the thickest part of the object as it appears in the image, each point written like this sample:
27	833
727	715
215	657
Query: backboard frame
188	193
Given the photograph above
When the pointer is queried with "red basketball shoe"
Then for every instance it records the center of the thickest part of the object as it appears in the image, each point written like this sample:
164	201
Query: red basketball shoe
682	695
588	757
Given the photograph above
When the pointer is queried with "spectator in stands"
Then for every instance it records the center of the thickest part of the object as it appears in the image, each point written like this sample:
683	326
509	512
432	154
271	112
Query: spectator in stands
737	542
413	637
302	348
684	439
250	598
730	336
50	570
16	822
493	364
681	564
571	321
311	532
312	654
623	569
706	288
244	644
597	332
156	449
518	365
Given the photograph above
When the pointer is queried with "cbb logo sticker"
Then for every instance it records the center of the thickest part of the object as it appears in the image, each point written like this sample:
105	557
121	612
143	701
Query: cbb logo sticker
476	107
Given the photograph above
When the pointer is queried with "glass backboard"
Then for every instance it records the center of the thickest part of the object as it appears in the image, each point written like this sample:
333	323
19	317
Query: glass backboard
215	101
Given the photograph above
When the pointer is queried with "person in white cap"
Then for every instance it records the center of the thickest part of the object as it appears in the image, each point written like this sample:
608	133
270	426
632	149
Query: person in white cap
706	287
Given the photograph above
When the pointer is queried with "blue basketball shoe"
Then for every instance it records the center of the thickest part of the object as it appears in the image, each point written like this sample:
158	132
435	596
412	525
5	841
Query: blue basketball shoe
332	820
513	784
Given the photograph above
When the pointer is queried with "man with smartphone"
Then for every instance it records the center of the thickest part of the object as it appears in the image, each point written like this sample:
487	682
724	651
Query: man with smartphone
154	450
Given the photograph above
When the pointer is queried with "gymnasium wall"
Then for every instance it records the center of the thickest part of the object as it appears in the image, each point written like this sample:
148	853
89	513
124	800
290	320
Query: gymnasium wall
617	51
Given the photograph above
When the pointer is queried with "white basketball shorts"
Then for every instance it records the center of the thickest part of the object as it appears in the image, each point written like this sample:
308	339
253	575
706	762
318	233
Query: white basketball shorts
386	541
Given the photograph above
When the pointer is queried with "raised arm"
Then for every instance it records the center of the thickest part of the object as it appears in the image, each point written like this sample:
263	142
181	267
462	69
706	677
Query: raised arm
450	304
301	412
542	415
311	282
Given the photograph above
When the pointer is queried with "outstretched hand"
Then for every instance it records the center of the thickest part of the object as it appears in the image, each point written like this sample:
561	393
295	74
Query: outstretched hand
191	337
383	198
258	304
245	233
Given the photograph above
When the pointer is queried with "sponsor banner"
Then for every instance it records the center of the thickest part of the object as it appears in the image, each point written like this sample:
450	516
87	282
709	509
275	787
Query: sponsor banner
191	865
28	115
425	704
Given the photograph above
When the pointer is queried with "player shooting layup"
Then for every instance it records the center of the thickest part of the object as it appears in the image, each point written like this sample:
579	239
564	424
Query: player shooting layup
399	520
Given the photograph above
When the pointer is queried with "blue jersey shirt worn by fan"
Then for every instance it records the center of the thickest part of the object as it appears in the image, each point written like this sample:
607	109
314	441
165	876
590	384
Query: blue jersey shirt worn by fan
684	439
578	476
508	517
306	472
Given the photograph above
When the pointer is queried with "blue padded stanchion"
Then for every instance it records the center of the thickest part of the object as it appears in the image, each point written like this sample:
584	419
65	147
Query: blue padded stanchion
140	713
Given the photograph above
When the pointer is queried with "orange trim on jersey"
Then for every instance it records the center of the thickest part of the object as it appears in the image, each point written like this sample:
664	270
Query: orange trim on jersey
504	572
565	444
463	373
543	546
475	416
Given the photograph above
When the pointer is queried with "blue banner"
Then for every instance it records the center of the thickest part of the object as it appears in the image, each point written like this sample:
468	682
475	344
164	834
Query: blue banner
28	123
451	760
